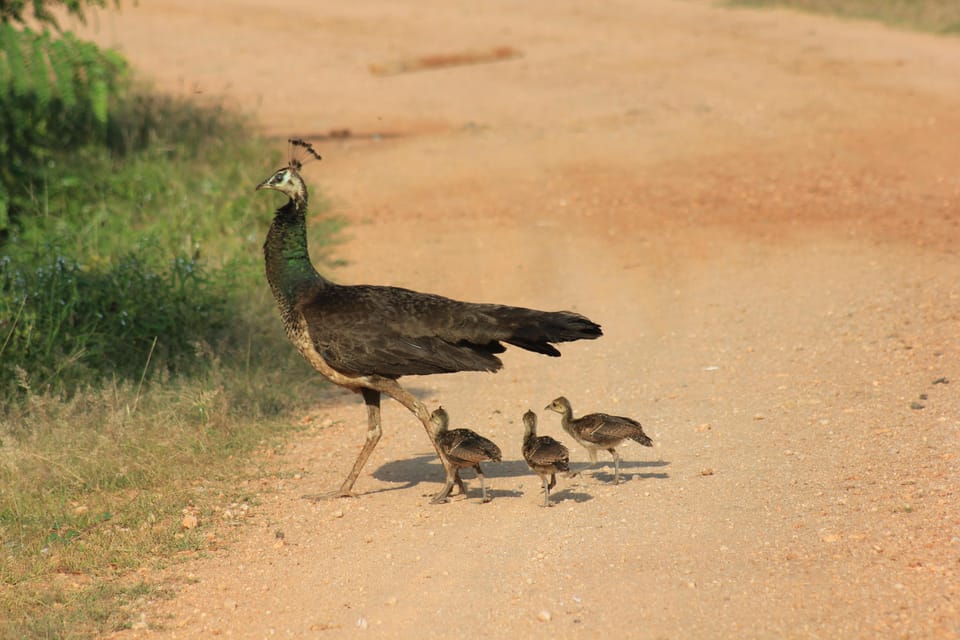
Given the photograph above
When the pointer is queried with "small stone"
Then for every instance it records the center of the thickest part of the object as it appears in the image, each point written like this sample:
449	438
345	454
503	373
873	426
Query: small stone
544	616
916	406
706	472
190	521
337	514
362	623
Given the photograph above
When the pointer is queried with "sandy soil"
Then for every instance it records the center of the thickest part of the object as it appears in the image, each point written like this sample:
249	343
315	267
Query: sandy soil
760	208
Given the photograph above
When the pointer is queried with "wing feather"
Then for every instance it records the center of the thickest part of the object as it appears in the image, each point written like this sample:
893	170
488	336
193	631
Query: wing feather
389	331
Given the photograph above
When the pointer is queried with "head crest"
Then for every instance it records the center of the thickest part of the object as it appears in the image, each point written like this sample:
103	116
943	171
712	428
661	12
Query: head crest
301	152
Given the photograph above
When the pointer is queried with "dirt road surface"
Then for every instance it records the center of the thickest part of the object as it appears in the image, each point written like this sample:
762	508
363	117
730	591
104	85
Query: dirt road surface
760	208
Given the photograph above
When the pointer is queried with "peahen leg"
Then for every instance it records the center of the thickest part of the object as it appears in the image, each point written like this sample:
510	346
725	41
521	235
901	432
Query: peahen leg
417	408
372	399
444	494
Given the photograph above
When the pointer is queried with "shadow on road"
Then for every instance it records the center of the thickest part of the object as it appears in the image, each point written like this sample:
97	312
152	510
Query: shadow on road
410	472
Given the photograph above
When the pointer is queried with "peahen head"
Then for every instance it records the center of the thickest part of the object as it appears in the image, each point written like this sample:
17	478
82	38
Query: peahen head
287	180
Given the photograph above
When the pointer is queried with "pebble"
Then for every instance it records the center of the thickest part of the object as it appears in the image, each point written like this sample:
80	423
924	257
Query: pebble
544	616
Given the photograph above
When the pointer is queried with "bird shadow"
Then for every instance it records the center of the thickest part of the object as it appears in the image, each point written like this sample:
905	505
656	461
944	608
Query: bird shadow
410	472
556	497
603	471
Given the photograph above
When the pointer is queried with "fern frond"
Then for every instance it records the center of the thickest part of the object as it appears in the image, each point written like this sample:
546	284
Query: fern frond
39	71
62	61
5	76
20	79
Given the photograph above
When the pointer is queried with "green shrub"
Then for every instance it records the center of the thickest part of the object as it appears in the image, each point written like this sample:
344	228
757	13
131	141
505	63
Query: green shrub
39	10
937	16
54	97
64	323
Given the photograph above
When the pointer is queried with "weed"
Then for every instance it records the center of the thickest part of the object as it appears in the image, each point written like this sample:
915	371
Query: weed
938	16
141	366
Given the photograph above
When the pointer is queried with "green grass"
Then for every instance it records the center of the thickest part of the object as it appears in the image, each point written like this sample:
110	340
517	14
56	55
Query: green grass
142	363
937	16
94	487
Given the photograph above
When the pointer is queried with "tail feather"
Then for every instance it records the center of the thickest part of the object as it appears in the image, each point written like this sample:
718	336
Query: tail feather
642	438
540	329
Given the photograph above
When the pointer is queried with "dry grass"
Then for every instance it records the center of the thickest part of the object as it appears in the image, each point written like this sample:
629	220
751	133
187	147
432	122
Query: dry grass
94	488
937	16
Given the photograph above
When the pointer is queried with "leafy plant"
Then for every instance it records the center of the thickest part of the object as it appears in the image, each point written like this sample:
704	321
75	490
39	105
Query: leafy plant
938	16
39	10
66	323
54	96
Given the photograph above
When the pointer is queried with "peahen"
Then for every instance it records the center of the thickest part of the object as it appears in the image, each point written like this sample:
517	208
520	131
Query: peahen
364	337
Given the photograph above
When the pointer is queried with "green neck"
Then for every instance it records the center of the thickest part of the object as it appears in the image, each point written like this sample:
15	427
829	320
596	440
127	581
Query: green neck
289	270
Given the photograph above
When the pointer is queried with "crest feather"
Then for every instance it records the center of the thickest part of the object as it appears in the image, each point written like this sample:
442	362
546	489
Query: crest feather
301	152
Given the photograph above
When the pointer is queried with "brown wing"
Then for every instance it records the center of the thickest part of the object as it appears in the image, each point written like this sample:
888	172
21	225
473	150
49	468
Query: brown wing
606	430
544	451
388	331
469	446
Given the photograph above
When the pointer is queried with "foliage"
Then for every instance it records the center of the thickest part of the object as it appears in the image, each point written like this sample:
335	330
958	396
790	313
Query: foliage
40	10
938	16
62	318
141	360
95	487
103	444
54	97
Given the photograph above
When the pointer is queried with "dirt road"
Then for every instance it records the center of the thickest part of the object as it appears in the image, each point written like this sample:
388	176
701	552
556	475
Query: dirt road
760	208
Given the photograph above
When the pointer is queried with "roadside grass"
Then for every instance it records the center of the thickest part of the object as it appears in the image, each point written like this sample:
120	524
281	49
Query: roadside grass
936	16
142	370
98	486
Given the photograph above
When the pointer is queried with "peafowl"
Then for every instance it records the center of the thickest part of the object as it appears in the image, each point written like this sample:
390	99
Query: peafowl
464	449
544	455
365	337
597	431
